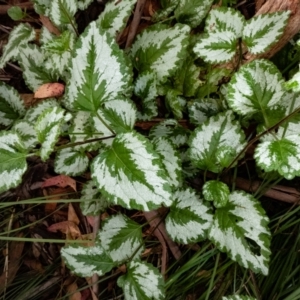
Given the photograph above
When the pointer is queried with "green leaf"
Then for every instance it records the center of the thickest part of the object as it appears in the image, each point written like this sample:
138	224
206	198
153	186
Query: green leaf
175	102
121	238
142	281
208	140
294	83
241	230
20	35
115	16
48	127
99	71
86	261
42	6
189	218
83	4
160	49
262	31
12	160
131	174
16	13
26	131
238	297
216	191
11	105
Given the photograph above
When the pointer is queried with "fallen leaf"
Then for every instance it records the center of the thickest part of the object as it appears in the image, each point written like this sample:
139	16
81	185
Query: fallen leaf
48	90
49	25
61	181
66	227
72	290
72	216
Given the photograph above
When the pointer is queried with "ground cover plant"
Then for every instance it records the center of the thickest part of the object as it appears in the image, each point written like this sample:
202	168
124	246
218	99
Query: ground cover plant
153	127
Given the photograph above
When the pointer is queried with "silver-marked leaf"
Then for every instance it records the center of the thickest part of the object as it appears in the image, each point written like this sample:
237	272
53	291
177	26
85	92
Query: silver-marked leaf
62	14
170	159
86	261
255	87
99	71
216	191
225	19
241	230
175	102
70	162
217	46
12	160
115	16
281	155
42	7
294	83
189	218
93	203
131	174
262	31
145	88
20	35
210	139
26	131
11	105
121	238
238	297
142	281
160	49
83	4
48	128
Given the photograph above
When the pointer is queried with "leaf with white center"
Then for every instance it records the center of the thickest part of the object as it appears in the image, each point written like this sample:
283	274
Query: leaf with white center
175	103
11	105
142	281
70	162
172	130
160	49
256	87
86	261
281	155
26	131
170	159
209	140
62	13
241	230
121	238
20	35
217	46
115	16
294	83
32	59
42	7
225	19
145	88
216	191
48	128
189	218
192	12
238	297
93	203
263	31
12	160
131	174
99	71
202	110
83	4
46	36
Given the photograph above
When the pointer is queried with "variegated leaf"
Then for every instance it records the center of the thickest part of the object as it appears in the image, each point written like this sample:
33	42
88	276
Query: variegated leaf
99	71
238	297
145	88
12	160
170	159
131	174
70	162
83	4
262	31
115	16
294	83
86	261
216	191
93	202
20	35
42	7
48	128
189	218
256	87
241	230
11	105
160	49
175	102
142	281
192	12
26	131
121	238
211	139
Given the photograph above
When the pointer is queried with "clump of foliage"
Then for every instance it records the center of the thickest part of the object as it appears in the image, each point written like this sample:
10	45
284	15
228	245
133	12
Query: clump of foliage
140	172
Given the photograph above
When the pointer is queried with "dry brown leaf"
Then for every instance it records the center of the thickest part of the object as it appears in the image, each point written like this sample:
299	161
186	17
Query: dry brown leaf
73	290
49	25
66	227
61	181
72	216
34	264
49	90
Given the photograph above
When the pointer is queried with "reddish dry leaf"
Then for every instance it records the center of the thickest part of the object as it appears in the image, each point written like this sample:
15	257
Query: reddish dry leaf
49	90
61	181
49	25
72	289
91	220
66	227
72	216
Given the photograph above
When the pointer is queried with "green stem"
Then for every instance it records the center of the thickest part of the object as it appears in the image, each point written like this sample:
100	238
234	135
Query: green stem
106	125
211	282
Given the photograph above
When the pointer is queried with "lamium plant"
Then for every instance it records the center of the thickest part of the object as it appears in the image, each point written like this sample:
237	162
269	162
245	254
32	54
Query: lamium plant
108	89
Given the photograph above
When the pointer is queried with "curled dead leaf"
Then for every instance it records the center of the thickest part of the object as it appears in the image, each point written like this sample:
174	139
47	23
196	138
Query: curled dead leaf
49	90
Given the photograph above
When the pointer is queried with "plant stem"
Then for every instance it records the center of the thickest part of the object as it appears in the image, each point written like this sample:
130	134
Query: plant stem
211	282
